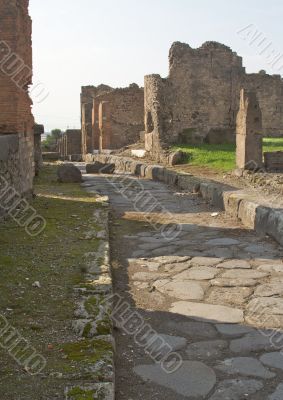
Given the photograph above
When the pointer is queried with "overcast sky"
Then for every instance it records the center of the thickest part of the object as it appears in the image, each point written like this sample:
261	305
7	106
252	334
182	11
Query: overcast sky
117	42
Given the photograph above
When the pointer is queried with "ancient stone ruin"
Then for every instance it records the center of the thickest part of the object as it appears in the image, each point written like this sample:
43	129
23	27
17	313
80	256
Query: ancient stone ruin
70	145
249	133
111	118
16	120
38	161
199	100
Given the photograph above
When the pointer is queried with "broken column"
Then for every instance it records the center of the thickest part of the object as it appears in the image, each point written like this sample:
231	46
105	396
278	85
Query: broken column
38	162
249	132
104	126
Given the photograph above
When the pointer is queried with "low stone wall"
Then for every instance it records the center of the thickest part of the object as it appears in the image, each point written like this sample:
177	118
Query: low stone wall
237	203
10	161
274	161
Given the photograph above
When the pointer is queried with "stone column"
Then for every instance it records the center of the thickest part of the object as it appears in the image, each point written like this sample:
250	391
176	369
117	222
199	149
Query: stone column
105	126
249	132
38	161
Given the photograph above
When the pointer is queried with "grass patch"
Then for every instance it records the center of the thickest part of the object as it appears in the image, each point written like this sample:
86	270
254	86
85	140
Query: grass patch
43	315
221	157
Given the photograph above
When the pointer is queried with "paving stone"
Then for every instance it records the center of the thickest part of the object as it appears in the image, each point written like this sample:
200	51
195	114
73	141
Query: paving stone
222	242
233	330
278	268
192	329
266	305
163	260
163	251
244	274
269	289
228	282
229	296
221	252
278	394
236	389
205	261
193	379
257	249
255	341
197	273
208	312
273	360
147	276
234	264
206	350
176	267
244	366
154	343
186	290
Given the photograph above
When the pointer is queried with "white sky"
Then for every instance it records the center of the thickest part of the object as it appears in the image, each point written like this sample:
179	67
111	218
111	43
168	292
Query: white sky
89	42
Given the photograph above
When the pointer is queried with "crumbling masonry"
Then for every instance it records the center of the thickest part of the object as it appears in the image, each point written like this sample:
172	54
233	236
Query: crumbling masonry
16	120
199	100
111	118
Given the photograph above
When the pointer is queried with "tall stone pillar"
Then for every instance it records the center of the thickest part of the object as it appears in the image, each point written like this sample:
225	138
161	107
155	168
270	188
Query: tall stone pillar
105	125
95	125
38	161
249	132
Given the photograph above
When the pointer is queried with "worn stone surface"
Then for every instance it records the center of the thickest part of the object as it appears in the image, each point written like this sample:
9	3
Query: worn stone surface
155	341
246	366
273	360
278	394
186	290
192	329
232	296
269	289
206	350
253	342
192	379
212	313
233	329
197	273
235	264
236	389
229	282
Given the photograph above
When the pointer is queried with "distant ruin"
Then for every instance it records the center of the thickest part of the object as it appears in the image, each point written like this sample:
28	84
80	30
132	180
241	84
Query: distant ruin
16	120
70	145
199	100
111	118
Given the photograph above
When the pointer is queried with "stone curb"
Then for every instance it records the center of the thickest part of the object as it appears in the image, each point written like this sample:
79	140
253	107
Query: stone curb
264	220
92	316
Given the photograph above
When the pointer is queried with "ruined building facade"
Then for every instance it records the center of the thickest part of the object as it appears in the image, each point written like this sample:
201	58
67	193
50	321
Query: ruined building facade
16	120
199	100
111	118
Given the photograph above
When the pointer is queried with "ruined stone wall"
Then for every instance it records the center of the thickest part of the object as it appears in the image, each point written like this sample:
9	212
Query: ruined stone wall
74	141
269	89
126	118
38	161
9	162
199	100
15	78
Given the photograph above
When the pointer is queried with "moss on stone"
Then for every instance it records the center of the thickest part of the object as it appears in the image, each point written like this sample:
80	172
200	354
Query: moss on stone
88	351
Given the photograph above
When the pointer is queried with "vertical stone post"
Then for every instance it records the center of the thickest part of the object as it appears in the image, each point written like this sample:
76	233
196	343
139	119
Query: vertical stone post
249	132
95	125
38	161
105	125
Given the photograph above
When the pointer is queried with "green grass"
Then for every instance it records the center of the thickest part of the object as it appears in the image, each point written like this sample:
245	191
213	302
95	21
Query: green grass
221	157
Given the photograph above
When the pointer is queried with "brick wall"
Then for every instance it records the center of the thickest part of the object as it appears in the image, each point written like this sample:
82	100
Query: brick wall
15	78
70	143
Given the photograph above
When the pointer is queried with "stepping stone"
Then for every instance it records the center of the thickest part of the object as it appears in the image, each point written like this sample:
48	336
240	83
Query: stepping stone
269	289
206	350
205	261
163	260
156	342
244	274
192	379
233	330
244	366
192	329
222	242
273	360
236	389
186	290
235	264
197	273
255	341
163	251
176	267
227	282
278	394
277	268
208	312
257	249
232	296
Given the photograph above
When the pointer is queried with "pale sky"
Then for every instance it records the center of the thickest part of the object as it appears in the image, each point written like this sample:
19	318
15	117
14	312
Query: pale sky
117	42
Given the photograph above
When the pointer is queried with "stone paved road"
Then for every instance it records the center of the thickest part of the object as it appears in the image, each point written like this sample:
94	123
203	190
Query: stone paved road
210	294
